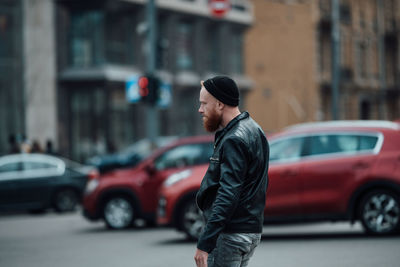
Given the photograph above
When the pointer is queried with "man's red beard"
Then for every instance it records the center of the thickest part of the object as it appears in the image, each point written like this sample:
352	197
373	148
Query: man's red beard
212	122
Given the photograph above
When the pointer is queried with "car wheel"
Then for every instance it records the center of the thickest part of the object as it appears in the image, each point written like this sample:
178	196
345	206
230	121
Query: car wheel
191	220
66	200
380	212
118	212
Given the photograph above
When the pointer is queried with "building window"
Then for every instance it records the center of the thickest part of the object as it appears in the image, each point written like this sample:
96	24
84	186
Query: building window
238	5
12	118
125	120
119	38
362	60
212	41
365	110
362	18
7	32
237	55
86	38
87	122
162	44
345	12
325	55
185	45
391	59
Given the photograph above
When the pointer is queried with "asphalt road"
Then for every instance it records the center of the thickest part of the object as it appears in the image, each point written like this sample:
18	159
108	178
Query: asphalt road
52	240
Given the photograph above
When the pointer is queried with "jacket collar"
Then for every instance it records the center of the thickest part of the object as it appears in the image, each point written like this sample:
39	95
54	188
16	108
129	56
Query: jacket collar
221	133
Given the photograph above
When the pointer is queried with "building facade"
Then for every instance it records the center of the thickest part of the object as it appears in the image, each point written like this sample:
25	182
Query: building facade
77	57
291	63
103	43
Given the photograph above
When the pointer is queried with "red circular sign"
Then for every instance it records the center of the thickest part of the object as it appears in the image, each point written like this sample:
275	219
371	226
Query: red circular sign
219	7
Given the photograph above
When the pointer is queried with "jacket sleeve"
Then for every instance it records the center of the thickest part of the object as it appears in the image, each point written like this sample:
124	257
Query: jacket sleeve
233	168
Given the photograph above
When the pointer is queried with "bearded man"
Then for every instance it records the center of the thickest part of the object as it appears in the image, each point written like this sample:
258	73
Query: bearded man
233	190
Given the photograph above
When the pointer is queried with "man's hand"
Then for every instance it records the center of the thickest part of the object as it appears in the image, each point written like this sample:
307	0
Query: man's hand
201	258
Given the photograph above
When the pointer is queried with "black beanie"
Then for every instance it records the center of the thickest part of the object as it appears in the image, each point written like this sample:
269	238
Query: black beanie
224	89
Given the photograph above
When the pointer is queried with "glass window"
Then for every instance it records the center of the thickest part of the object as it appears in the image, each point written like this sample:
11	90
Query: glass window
325	144
368	142
87	122
238	5
352	143
347	143
7	33
362	59
185	155
163	43
86	38
185	45
288	149
12	111
10	167
213	53
325	55
35	165
119	38
237	55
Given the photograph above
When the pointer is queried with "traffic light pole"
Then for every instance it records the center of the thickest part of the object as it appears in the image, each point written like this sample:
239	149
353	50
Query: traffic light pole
152	114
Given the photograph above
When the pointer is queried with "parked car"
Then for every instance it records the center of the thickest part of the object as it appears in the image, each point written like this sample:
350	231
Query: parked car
327	171
36	182
130	156
121	196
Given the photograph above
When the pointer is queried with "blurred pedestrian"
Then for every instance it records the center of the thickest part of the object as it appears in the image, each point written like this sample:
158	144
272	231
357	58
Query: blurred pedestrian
36	148
13	145
50	148
25	145
232	193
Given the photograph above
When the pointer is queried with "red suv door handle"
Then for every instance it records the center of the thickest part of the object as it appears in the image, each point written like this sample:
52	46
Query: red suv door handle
289	173
361	165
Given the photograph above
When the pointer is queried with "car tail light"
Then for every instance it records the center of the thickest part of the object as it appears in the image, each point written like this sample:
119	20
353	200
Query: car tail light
93	174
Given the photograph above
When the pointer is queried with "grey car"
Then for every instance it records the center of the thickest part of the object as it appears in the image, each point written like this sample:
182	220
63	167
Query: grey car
36	182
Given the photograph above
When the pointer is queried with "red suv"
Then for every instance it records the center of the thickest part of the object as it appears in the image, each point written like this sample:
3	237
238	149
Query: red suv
121	196
342	170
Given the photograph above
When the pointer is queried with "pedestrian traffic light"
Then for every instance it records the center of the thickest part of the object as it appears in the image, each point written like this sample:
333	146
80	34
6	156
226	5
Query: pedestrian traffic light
143	83
149	89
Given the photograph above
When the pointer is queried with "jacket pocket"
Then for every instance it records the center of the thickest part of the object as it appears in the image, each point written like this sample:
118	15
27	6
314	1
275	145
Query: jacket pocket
209	185
213	171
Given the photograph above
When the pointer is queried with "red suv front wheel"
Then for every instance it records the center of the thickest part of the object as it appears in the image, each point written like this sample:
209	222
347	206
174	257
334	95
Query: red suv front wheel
118	212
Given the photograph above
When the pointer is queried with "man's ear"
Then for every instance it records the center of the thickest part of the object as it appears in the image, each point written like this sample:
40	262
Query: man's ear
220	105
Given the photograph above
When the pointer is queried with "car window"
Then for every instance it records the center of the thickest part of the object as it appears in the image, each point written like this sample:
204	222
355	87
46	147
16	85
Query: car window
324	144
347	143
34	165
184	155
337	143
368	142
287	149
10	167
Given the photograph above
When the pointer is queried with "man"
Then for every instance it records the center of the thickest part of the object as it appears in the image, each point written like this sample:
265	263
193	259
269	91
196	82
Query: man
232	193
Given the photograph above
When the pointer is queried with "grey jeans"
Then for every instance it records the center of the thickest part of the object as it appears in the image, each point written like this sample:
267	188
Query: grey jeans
233	250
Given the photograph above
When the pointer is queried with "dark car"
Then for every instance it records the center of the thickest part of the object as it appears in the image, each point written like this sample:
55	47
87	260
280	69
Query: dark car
121	196
327	171
130	156
36	182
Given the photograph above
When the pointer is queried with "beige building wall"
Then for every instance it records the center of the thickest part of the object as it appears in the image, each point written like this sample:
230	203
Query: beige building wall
280	58
288	55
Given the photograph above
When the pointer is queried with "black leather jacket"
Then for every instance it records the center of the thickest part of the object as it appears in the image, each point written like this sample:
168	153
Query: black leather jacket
232	193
